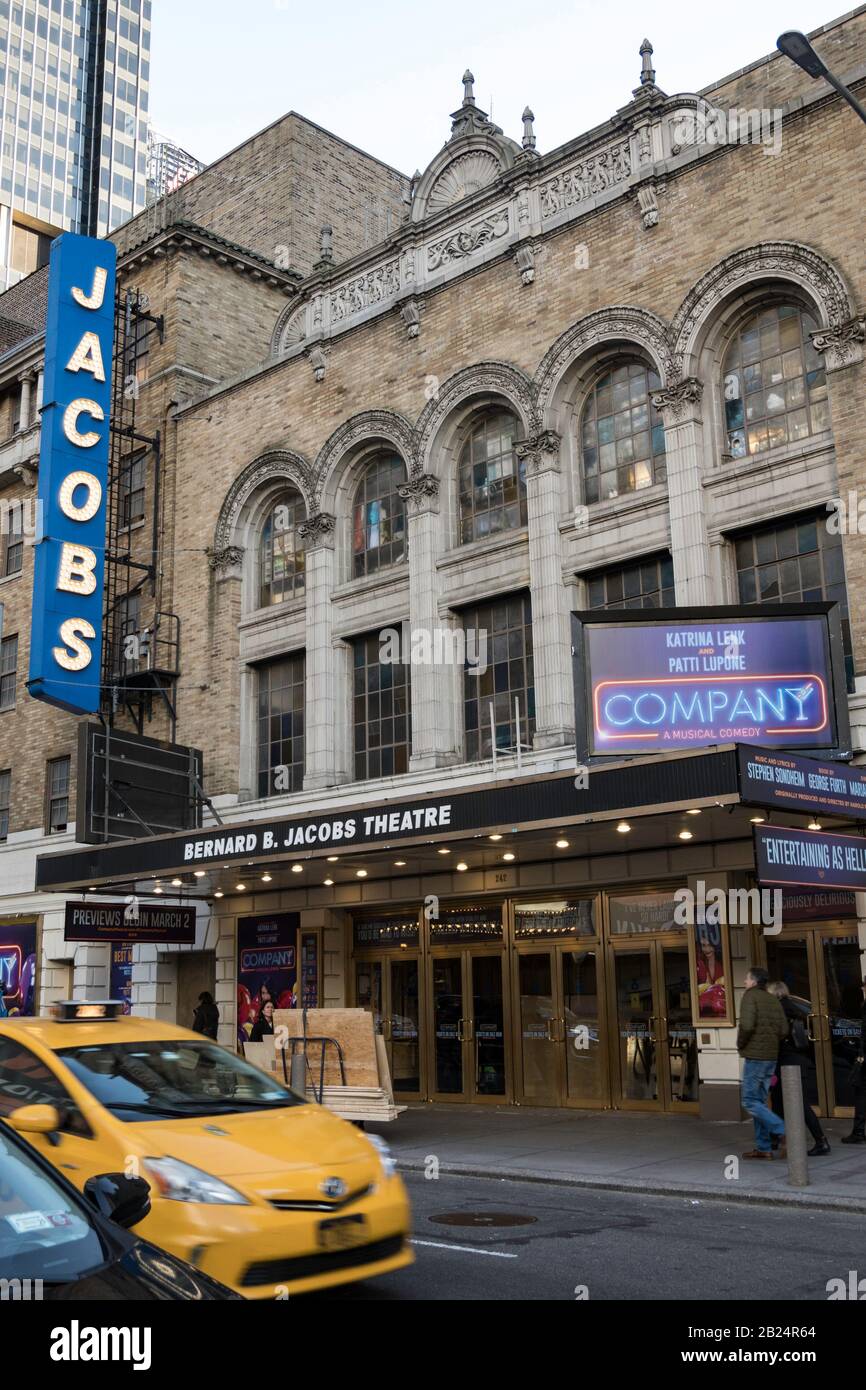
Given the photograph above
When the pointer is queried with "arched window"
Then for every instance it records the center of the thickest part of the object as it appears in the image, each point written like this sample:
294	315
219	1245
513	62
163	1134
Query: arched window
492	478
775	385
622	435
379	516
282	550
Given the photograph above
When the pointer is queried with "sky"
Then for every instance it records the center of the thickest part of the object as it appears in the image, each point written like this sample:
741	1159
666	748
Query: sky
386	75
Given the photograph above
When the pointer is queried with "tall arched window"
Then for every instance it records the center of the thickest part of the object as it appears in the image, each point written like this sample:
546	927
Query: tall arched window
282	550
379	516
775	385
492	478
622	435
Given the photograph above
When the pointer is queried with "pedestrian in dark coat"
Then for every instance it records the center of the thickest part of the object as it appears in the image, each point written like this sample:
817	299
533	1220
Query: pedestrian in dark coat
207	1016
793	1052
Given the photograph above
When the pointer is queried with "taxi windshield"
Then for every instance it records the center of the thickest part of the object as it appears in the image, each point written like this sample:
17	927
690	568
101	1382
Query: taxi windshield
173	1079
44	1234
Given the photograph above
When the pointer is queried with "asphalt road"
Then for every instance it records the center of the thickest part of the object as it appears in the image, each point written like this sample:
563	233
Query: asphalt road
615	1245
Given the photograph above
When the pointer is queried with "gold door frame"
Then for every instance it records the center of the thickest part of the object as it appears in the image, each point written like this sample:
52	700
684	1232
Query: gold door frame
465	952
654	944
813	933
555	947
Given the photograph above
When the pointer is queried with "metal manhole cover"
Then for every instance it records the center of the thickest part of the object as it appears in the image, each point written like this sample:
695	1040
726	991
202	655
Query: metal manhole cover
482	1218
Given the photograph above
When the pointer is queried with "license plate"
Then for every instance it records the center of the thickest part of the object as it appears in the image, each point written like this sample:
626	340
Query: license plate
342	1233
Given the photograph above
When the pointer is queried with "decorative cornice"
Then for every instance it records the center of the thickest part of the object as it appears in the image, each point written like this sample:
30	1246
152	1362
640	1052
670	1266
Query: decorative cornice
619	324
842	343
769	260
497	379
27	472
317	530
421	493
290	468
368	427
678	398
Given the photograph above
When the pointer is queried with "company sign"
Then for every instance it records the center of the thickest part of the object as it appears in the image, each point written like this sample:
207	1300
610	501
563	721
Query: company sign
66	629
792	783
130	921
811	858
17	969
675	682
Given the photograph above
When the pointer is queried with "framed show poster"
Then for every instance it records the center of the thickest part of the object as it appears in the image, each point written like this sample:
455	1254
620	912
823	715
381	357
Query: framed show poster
710	960
18	957
267	970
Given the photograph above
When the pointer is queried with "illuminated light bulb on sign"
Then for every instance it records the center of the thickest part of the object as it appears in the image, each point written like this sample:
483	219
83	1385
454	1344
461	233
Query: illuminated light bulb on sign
73	414
94	496
73	633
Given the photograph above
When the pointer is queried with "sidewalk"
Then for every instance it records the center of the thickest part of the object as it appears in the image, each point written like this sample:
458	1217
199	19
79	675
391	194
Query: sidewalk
621	1150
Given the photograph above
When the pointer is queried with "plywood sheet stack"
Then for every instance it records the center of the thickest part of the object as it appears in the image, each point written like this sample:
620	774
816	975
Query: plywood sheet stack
367	1093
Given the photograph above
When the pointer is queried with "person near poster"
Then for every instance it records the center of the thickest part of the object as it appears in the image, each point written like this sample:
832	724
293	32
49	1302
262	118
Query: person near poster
206	1018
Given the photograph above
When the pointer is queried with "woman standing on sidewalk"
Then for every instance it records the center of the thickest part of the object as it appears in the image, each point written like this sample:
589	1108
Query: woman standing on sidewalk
792	1053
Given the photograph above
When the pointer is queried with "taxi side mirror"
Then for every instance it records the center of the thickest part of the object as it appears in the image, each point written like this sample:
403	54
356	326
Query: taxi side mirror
36	1119
123	1200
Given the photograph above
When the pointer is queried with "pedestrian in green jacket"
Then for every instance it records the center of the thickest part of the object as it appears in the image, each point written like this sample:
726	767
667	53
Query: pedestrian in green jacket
763	1026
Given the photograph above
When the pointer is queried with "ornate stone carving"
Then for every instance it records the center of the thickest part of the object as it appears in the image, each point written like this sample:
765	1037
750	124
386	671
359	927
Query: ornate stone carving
524	255
420	492
317	530
411	316
464	176
27	472
598	172
290	327
366	428
540	452
469	239
498	379
224	561
318	362
290	468
649	204
622	323
352	298
786	260
674	401
841	344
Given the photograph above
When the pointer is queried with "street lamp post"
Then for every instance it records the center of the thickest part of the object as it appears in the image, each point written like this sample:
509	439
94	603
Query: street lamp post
798	48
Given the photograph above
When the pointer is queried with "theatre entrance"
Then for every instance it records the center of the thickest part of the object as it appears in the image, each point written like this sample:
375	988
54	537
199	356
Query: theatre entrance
821	967
653	1041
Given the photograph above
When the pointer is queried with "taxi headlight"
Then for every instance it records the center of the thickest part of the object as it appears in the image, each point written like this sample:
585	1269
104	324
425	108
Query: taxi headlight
386	1158
180	1182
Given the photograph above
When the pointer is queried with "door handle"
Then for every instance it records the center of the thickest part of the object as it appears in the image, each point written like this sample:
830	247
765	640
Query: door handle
460	1034
811	1035
651	1035
386	1029
551	1029
469	1028
663	1031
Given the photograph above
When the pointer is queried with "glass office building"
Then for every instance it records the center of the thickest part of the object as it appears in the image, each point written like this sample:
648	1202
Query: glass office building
74	76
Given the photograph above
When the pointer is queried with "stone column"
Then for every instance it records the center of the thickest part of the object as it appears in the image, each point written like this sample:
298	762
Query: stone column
40	388
26	411
434	722
226	567
680	406
551	635
324	715
842	349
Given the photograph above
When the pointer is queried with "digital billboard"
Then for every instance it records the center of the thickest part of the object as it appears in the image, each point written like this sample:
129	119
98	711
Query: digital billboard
677	679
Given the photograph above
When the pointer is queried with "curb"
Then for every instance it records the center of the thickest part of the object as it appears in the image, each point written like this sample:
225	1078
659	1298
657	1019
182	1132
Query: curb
795	1198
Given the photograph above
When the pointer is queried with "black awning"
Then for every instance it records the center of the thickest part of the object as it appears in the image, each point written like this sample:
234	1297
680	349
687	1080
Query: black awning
648	786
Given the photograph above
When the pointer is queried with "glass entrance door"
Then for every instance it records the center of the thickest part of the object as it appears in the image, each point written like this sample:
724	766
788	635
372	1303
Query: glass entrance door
469	1026
822	971
560	1058
390	988
655	1048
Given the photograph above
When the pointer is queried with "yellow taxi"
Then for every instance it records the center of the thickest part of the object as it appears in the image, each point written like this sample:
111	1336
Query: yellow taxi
250	1183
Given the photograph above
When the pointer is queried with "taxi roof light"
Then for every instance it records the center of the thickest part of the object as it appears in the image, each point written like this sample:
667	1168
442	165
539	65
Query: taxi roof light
88	1010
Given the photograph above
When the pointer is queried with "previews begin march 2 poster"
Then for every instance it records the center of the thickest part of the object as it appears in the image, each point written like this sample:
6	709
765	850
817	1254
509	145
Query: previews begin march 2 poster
267	969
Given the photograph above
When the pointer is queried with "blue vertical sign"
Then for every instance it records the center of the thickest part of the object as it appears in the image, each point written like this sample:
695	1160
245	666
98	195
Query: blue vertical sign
66	627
